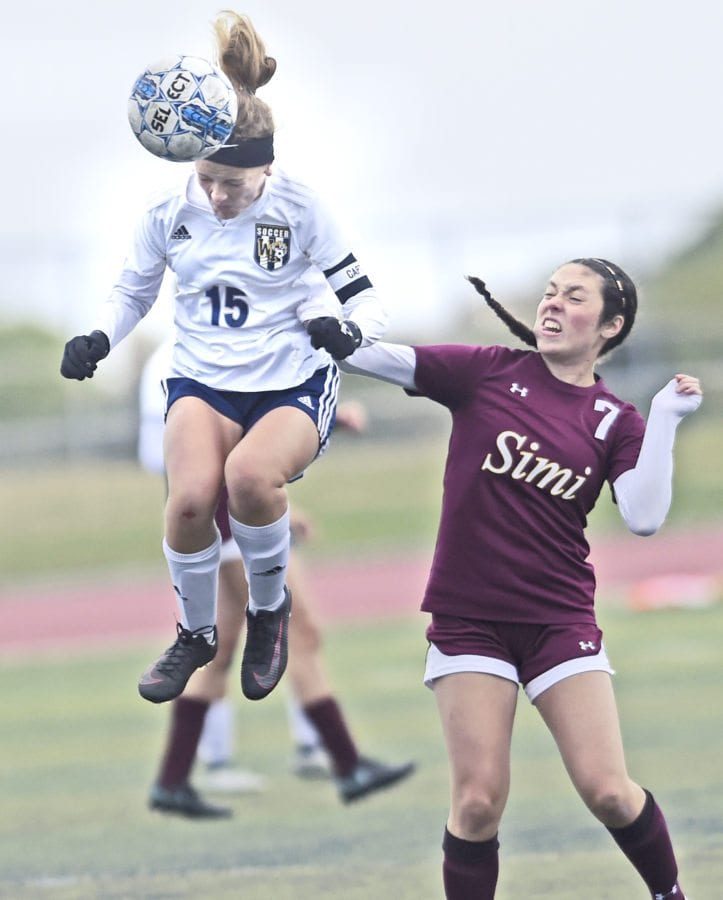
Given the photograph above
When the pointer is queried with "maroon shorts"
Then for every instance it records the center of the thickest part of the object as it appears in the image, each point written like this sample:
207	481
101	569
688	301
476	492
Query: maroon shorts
536	656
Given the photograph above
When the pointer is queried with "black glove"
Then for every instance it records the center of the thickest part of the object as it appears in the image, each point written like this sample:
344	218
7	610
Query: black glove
340	339
82	355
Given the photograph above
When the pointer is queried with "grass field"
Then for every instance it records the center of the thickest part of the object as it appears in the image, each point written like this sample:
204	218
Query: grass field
80	749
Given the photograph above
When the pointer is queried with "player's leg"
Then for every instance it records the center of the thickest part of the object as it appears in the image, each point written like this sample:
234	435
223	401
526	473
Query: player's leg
477	713
197	439
275	449
309	758
582	715
356	776
220	775
172	791
216	745
307	672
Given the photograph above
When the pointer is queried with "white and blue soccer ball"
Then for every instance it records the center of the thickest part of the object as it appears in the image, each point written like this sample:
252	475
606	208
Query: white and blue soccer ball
182	108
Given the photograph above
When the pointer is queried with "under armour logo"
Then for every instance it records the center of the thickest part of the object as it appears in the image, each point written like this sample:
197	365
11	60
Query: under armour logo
586	645
672	893
516	389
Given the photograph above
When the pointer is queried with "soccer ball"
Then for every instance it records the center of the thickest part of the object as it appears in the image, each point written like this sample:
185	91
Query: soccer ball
182	108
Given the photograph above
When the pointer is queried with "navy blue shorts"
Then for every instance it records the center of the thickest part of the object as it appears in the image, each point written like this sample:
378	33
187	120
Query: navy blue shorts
316	397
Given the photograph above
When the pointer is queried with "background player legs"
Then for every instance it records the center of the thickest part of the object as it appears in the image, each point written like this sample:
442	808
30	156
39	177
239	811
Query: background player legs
309	759
216	748
216	745
355	776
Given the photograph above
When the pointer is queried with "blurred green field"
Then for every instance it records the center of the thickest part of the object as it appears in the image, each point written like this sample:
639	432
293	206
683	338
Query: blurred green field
80	750
365	497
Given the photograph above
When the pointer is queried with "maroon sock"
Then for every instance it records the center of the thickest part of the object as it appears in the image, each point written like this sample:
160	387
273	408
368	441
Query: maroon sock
328	720
646	843
470	868
184	733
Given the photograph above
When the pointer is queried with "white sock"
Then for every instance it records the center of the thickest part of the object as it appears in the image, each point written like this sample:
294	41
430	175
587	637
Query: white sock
302	730
216	744
265	552
195	581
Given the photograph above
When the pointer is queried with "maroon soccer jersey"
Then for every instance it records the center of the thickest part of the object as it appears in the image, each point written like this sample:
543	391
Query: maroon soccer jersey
528	456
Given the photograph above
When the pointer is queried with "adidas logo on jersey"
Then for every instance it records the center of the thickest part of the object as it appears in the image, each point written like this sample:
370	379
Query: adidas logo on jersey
306	401
181	234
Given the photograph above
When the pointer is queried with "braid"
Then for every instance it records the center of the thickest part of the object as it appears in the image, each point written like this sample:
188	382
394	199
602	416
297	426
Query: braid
519	329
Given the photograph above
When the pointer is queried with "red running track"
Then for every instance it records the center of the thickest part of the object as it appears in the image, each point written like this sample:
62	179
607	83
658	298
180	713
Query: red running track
88	613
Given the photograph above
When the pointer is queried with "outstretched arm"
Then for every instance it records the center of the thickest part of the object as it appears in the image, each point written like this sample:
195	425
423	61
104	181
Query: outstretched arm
394	363
644	493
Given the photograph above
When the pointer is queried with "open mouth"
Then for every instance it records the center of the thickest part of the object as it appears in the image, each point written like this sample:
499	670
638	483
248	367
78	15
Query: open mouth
550	326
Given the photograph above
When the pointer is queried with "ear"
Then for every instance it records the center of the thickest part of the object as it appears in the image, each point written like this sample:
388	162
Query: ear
267	170
613	327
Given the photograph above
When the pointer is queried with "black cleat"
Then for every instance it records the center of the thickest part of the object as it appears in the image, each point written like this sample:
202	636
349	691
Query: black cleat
266	650
185	801
369	776
166	678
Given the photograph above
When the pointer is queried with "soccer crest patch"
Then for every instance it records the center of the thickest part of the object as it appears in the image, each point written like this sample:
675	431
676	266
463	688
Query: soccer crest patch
272	244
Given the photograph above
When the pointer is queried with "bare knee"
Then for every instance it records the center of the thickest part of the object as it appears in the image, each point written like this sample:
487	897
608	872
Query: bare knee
189	516
477	811
192	498
251	488
615	803
187	509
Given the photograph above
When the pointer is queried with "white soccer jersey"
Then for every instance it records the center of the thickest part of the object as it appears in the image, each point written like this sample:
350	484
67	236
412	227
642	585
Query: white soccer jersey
243	285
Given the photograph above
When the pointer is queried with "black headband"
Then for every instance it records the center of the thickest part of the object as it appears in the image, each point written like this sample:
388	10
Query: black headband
245	154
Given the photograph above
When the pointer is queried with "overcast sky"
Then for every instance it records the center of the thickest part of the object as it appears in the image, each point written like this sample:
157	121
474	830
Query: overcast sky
494	138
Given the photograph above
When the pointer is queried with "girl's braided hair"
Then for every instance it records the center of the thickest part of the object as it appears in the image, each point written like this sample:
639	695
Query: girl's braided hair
620	298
